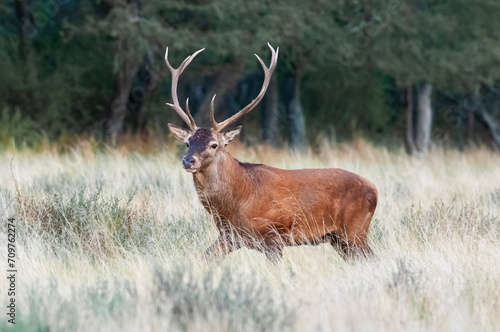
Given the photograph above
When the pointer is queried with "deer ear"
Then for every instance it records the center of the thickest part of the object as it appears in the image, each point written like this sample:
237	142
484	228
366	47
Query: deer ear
182	135
231	135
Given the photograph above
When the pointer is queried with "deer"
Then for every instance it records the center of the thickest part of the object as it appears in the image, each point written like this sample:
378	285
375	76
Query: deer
266	208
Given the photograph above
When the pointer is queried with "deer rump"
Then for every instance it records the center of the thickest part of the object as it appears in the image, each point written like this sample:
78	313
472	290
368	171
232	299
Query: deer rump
269	208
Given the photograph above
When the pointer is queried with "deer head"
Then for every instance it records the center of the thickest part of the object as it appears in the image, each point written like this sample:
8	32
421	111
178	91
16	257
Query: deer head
208	144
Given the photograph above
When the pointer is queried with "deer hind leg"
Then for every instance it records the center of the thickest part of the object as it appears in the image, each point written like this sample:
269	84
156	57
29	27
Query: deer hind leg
338	243
347	248
356	238
358	246
353	241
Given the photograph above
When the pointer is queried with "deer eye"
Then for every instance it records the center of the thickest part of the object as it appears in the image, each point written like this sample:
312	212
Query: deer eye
214	146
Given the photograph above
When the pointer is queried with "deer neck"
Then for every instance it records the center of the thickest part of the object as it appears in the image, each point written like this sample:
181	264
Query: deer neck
222	184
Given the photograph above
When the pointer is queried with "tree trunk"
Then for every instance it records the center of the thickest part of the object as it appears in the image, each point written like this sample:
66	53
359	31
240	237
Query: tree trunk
487	118
225	81
26	27
270	114
410	128
126	74
471	123
30	101
295	114
490	122
118	104
424	119
146	84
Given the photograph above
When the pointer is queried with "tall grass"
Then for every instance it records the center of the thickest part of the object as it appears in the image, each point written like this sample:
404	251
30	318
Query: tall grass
113	240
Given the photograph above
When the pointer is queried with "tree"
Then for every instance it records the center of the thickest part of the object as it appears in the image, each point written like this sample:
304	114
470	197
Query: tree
96	67
424	120
428	43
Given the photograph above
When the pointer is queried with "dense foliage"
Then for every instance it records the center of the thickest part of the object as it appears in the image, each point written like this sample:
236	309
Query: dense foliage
95	67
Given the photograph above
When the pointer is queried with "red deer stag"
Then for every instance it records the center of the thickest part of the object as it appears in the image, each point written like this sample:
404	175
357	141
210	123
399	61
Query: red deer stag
265	207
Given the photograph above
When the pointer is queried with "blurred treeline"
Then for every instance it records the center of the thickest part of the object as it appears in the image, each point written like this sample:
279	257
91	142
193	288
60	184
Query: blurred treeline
392	71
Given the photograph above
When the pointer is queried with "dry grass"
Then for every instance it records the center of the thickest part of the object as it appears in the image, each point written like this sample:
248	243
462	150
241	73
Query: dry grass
114	240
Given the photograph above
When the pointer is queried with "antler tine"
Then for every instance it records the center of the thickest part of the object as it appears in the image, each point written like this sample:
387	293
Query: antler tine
191	119
176	72
212	111
268	72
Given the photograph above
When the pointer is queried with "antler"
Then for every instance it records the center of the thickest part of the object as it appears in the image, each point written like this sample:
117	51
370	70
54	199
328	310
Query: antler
268	72
186	116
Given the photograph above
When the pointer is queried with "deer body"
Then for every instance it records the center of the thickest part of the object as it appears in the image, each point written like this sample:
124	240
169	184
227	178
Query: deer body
267	208
270	208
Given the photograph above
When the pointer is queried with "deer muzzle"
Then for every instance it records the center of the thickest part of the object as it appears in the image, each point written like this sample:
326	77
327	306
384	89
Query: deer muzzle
189	163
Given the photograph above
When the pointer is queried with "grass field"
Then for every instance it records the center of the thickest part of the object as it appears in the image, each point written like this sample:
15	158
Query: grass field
112	241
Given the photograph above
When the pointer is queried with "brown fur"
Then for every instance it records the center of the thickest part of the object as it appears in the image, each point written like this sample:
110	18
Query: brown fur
267	208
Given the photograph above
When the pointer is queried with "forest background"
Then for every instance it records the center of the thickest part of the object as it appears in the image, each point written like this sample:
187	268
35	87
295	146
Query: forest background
393	72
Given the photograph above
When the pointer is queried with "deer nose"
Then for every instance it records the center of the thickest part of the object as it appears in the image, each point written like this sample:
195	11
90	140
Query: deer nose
187	162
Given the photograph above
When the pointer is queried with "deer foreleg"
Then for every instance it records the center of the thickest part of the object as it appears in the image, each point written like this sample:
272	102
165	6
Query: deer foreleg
222	246
274	254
